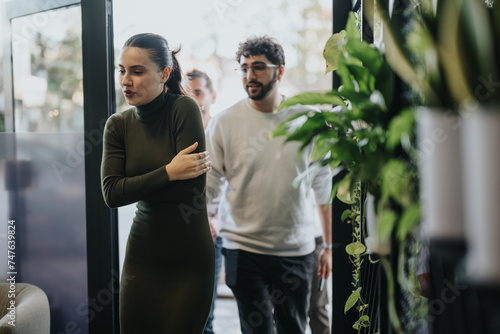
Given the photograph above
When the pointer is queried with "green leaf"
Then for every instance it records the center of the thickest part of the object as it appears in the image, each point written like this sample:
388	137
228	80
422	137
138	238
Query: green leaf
396	182
387	220
322	146
409	219
332	50
355	248
283	128
307	175
347	151
367	54
332	98
402	124
362	307
362	77
395	54
344	190
344	73
480	29
351	301
451	57
351	28
303	128
383	82
335	165
345	214
355	97
363	321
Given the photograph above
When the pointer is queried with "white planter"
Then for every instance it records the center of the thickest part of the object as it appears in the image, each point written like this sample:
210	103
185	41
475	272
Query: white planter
373	240
439	146
481	172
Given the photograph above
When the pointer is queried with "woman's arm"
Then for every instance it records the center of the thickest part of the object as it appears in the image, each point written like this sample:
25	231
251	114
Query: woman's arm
187	127
117	188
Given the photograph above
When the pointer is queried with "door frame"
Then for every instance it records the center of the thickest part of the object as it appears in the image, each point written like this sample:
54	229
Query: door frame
99	104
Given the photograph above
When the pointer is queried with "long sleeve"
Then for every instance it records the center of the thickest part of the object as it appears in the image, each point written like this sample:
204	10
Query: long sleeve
117	188
188	129
322	184
136	152
215	177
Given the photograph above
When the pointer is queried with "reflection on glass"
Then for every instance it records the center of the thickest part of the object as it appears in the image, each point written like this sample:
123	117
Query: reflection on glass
2	76
42	174
47	66
42	188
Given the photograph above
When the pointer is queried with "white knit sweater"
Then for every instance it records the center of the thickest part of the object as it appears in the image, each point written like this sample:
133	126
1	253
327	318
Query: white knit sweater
261	211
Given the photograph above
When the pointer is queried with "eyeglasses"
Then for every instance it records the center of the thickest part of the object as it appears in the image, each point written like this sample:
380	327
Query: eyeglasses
257	68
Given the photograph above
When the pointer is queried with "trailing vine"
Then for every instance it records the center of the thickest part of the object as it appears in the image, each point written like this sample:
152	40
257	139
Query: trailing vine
357	251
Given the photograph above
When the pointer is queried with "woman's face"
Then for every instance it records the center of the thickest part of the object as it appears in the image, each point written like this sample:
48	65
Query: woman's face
140	78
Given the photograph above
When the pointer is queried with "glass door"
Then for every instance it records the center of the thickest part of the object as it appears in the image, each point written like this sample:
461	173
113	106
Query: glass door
48	144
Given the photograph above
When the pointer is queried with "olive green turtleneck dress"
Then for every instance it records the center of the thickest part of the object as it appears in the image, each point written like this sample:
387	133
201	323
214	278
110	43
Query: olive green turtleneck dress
168	273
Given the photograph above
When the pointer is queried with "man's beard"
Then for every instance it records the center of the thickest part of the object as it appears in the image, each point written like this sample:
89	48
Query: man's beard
265	89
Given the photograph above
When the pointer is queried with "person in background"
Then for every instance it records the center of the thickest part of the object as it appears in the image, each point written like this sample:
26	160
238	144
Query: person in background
154	154
201	89
266	222
319	320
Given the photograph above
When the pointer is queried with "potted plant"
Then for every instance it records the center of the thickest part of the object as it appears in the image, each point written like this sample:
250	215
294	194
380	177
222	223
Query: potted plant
366	136
453	60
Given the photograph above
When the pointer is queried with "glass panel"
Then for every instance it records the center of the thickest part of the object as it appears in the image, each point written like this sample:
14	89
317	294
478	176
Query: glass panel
42	186
2	74
47	67
42	175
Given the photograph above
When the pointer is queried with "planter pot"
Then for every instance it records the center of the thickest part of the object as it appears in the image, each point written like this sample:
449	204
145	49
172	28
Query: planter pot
372	241
481	175
439	146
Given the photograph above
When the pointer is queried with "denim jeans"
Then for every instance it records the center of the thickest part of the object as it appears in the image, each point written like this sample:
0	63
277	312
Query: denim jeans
218	264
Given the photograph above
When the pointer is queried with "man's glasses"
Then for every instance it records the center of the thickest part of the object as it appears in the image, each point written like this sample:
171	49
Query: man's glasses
257	68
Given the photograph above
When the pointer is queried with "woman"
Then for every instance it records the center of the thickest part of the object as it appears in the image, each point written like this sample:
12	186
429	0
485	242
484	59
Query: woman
168	273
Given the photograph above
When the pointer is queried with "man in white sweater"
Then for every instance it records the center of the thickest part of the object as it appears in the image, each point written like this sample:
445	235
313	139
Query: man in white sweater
266	223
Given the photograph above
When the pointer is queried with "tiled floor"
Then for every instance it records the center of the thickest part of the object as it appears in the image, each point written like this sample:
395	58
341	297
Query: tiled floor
226	317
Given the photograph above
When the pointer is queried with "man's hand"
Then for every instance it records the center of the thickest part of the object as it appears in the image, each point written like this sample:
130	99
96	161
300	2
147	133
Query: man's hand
325	263
214	226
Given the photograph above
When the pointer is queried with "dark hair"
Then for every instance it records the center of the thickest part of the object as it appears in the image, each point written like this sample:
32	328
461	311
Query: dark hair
160	53
262	45
193	74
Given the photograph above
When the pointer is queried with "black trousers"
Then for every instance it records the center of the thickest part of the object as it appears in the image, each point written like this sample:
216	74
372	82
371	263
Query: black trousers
270	290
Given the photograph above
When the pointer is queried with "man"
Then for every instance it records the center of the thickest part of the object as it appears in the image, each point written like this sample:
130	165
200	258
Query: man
201	89
266	222
319	320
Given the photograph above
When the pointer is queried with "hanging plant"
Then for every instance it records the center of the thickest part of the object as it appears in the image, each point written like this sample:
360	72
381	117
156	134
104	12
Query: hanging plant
362	133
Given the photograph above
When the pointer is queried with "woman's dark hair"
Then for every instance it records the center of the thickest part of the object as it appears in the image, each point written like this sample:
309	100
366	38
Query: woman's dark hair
160	53
262	45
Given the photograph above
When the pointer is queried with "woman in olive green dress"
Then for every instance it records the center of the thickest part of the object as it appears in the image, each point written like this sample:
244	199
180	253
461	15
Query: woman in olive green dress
154	154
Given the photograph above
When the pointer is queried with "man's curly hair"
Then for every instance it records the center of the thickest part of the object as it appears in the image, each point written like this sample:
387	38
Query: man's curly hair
262	45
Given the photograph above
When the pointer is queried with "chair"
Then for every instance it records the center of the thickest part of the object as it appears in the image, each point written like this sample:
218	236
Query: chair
32	312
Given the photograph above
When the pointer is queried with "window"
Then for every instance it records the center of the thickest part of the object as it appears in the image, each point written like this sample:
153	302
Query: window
47	67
